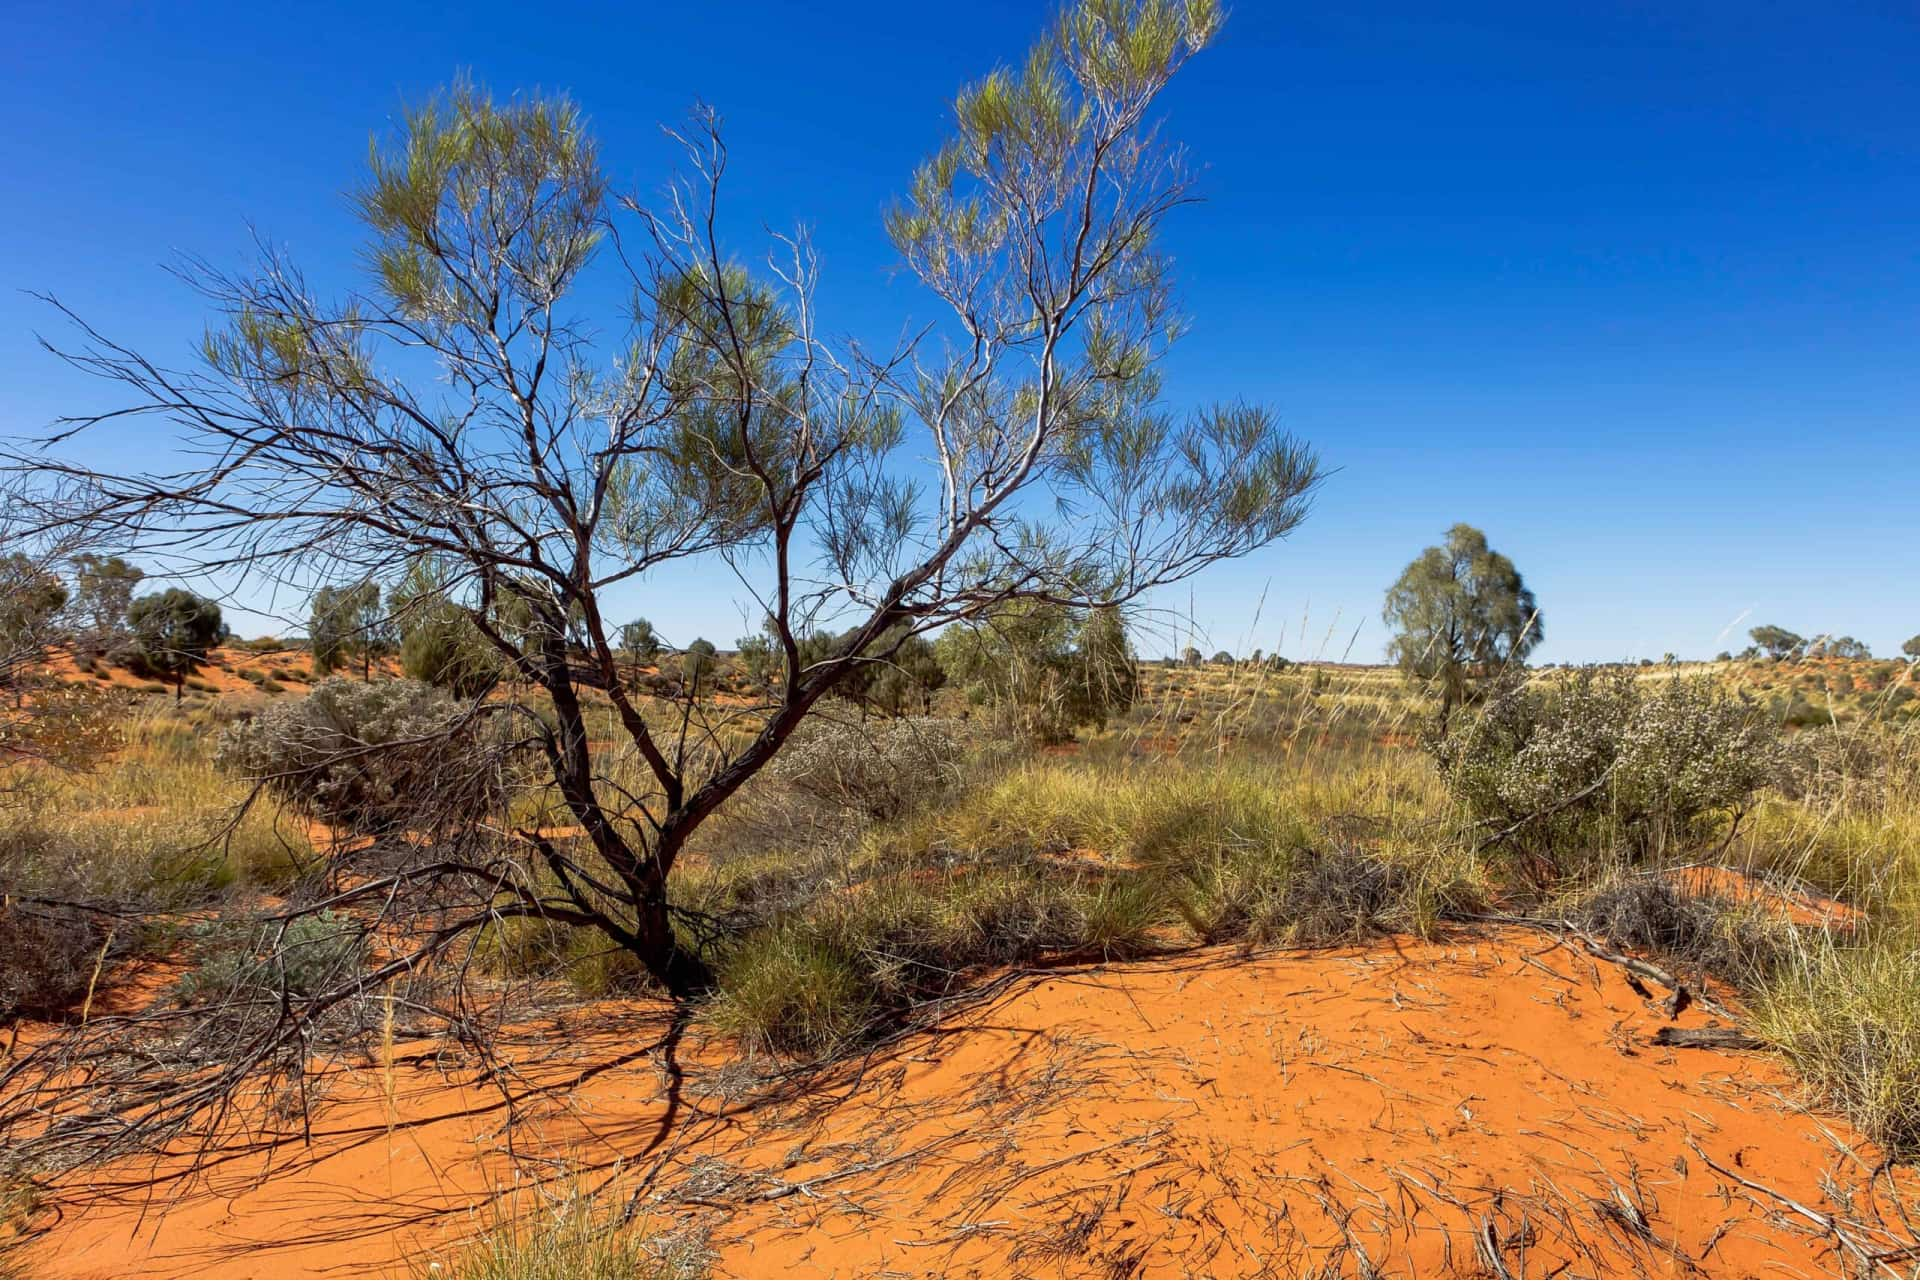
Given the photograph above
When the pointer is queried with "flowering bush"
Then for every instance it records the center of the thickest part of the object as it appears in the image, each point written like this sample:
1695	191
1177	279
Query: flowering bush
1598	762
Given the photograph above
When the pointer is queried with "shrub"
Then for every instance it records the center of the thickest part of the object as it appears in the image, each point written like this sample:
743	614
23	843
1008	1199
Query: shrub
47	957
1649	914
373	757
1596	764
786	991
305	956
879	772
1296	896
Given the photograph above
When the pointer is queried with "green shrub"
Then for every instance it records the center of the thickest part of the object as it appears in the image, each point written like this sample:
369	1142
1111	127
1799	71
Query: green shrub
248	961
786	991
1596	764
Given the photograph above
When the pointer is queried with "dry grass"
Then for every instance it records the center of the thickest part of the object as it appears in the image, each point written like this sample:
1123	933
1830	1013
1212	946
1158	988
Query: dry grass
572	1233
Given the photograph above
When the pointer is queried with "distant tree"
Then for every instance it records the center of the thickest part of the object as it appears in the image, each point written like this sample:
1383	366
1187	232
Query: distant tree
1109	680
697	662
1911	647
173	632
1049	668
1190	657
1777	642
31	598
762	663
906	681
351	621
1461	613
1222	658
327	627
1847	647
103	589
1724	656
639	641
440	643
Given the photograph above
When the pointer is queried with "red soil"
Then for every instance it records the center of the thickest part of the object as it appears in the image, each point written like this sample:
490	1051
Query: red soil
1465	1107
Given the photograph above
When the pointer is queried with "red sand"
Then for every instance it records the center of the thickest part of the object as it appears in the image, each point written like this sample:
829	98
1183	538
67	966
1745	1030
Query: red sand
1406	1109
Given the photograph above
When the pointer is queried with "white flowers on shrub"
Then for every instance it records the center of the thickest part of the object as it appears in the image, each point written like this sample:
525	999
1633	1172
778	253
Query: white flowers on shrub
1599	761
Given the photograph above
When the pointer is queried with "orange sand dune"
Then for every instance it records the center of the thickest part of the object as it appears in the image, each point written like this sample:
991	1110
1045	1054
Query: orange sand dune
1477	1106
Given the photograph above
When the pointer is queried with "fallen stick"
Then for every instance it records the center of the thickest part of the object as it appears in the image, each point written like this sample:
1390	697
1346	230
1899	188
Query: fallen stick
1707	1038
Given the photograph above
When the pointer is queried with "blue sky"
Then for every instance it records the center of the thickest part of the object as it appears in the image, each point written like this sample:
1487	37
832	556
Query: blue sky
1633	287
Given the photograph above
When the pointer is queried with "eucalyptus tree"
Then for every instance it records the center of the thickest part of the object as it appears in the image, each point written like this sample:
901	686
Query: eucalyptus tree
473	405
1461	613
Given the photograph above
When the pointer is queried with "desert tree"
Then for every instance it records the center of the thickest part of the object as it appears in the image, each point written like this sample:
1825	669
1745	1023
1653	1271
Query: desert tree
1020	450
639	641
1460	613
173	632
32	596
1777	642
351	619
697	663
1046	668
103	588
1911	647
49	721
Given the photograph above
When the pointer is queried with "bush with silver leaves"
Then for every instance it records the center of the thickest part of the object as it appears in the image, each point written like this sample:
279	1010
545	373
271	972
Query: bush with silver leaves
1602	763
374	757
877	770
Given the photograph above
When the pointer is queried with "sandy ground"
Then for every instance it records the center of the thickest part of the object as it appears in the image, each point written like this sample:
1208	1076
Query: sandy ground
1483	1106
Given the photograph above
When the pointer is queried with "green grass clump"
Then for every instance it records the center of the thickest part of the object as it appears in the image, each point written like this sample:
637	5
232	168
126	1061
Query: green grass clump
577	1236
787	991
1847	1017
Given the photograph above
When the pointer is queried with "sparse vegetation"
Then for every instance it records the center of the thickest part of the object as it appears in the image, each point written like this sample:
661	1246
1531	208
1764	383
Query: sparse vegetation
560	859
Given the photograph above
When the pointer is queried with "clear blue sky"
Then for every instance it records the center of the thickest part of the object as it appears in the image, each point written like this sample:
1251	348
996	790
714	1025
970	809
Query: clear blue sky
1633	287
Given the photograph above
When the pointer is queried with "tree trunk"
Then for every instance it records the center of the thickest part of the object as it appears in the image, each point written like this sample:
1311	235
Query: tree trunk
675	967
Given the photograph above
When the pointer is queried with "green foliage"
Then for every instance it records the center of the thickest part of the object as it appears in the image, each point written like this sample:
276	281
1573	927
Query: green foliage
439	643
760	659
1047	669
1595	764
241	961
31	598
640	642
1461	614
102	596
879	773
173	632
904	683
1911	647
1778	642
697	663
350	620
370	757
1846	1013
